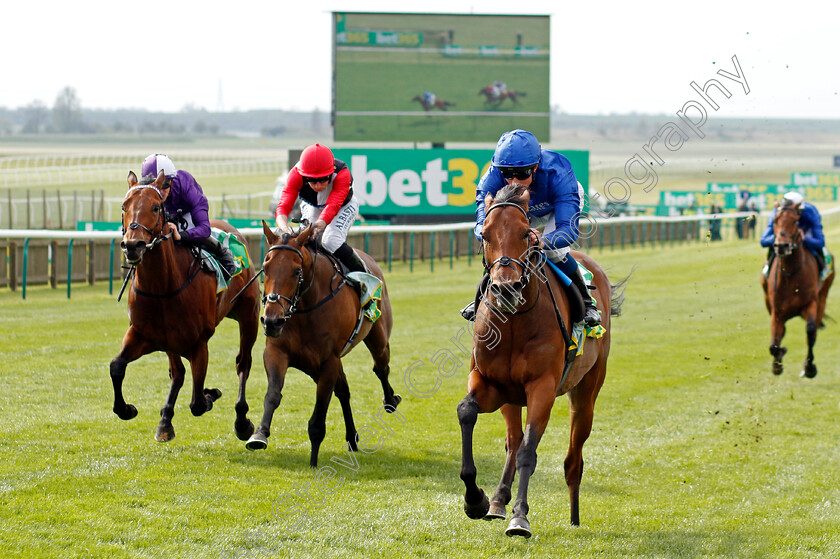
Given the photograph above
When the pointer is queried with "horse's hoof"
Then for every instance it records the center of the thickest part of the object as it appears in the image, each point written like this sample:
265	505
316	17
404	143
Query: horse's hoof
391	406
351	443
497	511
165	434
126	413
810	371
477	510
214	393
257	442
519	526
778	368
243	434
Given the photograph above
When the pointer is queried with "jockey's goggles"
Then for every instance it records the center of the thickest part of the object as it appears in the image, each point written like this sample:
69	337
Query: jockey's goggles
519	173
318	179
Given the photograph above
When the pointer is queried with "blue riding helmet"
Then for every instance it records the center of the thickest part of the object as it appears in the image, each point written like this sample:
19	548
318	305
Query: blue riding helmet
517	148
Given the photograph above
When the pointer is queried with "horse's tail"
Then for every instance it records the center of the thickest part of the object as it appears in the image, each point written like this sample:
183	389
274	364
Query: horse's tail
617	294
448	104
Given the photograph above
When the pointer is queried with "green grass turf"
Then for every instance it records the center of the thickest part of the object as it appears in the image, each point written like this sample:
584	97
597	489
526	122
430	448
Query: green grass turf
696	451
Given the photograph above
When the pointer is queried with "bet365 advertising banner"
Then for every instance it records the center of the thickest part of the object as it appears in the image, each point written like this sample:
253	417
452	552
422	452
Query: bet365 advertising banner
426	181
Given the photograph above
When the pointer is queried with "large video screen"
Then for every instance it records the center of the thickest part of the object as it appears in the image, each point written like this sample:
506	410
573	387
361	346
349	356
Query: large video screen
439	77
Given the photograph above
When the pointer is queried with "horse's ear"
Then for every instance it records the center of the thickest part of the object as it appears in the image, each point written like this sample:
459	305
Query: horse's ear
488	200
303	235
269	234
132	179
159	180
778	205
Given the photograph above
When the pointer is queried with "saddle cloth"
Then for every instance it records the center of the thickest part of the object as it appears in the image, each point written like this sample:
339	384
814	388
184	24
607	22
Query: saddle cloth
240	256
370	293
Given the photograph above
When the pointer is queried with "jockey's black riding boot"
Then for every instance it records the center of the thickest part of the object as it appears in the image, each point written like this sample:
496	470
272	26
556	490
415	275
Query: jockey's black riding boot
349	258
591	315
468	312
222	254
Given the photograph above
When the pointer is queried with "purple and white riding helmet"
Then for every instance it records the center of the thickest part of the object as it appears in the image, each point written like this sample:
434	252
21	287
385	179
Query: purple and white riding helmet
153	165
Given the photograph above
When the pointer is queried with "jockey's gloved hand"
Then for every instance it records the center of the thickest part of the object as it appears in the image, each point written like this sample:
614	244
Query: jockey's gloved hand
318	230
170	227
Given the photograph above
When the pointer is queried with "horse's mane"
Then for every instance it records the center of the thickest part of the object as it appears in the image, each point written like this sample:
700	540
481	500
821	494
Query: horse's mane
786	203
513	193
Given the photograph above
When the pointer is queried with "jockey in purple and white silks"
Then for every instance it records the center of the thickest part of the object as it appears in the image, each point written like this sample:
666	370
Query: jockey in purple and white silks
556	201
181	192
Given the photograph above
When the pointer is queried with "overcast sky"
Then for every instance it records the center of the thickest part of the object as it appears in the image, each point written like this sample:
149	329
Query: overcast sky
606	56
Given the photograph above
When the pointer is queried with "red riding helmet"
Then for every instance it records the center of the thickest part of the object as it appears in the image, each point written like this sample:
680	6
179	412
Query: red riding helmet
316	161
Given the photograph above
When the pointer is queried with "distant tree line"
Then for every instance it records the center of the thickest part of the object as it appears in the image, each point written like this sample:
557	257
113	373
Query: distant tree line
67	116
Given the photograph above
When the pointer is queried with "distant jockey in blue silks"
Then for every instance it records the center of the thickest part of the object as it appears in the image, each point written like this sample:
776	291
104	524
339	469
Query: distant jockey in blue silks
556	200
809	221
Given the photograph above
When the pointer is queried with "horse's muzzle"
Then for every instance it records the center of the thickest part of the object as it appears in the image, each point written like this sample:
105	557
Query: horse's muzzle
507	296
133	251
784	249
272	326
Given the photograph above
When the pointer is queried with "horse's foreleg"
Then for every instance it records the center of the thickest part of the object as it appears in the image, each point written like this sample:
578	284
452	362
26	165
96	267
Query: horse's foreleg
777	332
202	398
540	398
513	438
318	422
165	431
481	398
133	347
581	410
248	330
342	392
276	363
476	503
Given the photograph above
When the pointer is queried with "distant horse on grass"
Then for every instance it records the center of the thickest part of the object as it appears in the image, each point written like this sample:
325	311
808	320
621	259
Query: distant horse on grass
792	287
310	321
437	104
519	357
173	307
494	99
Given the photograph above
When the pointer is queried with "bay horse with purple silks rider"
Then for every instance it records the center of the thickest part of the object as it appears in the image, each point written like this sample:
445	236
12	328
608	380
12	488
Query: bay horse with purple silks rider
519	360
792	287
173	306
312	318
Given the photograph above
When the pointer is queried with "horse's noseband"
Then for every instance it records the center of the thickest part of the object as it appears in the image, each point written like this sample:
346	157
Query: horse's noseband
293	300
506	261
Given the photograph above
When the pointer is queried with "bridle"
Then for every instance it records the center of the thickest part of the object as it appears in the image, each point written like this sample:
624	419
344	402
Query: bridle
299	289
786	249
158	237
504	261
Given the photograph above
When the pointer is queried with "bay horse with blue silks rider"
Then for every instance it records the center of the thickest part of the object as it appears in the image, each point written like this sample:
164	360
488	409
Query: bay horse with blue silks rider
174	307
521	358
312	318
792	286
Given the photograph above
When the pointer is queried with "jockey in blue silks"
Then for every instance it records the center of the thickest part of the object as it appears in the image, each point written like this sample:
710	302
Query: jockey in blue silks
556	200
809	221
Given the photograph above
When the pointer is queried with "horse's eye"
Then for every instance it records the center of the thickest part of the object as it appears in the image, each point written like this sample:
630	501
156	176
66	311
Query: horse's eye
123	209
